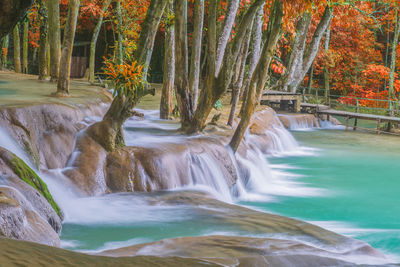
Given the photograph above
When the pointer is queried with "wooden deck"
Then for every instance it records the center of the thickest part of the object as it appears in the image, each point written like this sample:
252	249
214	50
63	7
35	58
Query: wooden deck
284	98
325	110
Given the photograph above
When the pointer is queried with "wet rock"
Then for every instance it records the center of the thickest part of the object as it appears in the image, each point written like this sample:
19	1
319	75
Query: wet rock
286	242
263	121
168	166
293	121
47	131
16	174
234	251
20	253
19	220
88	171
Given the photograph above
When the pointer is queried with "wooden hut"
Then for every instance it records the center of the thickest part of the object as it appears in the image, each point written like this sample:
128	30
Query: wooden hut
80	59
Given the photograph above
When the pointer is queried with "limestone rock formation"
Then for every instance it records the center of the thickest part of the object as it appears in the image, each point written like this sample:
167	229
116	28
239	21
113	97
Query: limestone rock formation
28	211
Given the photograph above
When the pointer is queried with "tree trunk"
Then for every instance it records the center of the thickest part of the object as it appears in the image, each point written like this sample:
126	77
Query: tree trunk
183	96
4	52
93	42
17	50
53	7
260	74
256	39
393	57
195	60
68	45
42	10
25	47
303	55
310	78
238	83
326	70
169	68
220	84
150	25
108	133
120	52
223	39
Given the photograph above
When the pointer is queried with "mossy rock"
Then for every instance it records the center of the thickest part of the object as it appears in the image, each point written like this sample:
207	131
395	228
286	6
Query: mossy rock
24	172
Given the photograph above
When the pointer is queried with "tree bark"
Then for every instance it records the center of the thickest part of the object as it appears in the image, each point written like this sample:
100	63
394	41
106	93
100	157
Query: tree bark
215	89
25	47
303	55
17	49
393	57
68	45
256	40
150	25
260	74
326	70
183	96
223	39
238	83
43	39
310	78
53	7
93	42
169	68
195	60
120	52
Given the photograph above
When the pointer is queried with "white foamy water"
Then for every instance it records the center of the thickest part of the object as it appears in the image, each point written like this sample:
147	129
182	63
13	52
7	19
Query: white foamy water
262	183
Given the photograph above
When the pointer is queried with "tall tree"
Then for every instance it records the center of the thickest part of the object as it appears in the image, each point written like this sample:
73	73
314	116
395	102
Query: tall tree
239	75
42	10
218	84
260	74
303	55
256	40
119	53
108	133
183	96
25	46
223	39
394	56
17	49
68	44
169	64
194	74
54	38
93	42
326	69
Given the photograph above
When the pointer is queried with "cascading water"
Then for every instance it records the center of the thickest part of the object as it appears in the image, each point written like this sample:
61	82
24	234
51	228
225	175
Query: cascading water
117	220
204	173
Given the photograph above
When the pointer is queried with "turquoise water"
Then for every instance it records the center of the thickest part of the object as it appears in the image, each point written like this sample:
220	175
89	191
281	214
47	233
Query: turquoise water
361	177
356	177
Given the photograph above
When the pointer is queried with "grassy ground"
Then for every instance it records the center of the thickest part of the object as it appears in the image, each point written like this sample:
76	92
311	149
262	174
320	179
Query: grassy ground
21	90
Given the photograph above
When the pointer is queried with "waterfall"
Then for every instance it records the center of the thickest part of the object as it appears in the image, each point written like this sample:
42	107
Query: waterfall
256	180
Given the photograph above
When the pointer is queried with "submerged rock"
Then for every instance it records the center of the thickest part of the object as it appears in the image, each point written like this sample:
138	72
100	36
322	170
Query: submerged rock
20	253
279	241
